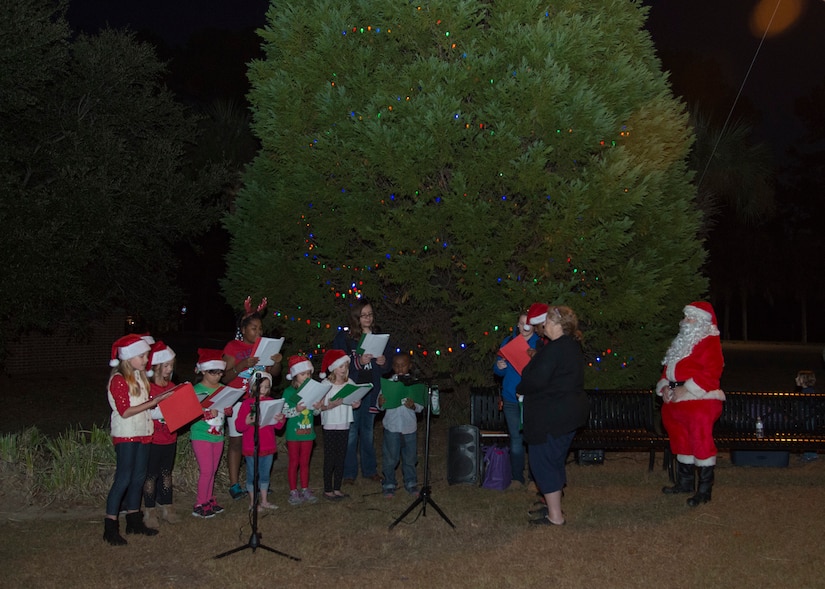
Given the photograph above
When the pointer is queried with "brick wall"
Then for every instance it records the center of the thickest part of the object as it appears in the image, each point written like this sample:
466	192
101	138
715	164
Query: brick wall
62	350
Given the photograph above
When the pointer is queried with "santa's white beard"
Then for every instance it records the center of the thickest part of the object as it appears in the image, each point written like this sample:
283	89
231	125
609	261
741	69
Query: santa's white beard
690	334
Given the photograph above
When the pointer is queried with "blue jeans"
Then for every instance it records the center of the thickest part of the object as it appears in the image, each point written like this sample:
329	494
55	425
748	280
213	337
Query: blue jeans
264	467
130	472
361	430
512	414
403	446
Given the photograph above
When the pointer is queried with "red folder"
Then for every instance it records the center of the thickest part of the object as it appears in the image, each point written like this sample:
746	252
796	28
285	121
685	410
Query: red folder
181	407
515	352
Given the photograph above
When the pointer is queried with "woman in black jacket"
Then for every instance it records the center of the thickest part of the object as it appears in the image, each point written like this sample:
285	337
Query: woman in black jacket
555	406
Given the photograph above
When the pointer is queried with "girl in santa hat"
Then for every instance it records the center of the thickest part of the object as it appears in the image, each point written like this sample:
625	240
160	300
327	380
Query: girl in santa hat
131	424
157	489
335	421
300	431
207	434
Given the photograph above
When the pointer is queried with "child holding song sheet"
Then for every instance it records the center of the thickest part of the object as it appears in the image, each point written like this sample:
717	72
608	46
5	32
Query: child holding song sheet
207	434
400	426
300	430
259	388
336	418
157	489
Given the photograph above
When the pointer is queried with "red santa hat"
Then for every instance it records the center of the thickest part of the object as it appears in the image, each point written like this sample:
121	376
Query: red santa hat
332	360
147	337
297	365
126	348
158	354
209	360
537	314
702	311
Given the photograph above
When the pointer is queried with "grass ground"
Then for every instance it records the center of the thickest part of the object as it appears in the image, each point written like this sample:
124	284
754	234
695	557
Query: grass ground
762	528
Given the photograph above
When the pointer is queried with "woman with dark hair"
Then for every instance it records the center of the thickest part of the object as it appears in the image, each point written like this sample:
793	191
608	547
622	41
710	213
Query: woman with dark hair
555	406
363	368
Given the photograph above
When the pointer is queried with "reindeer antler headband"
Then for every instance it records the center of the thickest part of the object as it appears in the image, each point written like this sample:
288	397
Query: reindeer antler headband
247	305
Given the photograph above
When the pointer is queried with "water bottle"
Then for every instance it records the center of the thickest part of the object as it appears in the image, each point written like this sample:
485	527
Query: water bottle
436	408
760	428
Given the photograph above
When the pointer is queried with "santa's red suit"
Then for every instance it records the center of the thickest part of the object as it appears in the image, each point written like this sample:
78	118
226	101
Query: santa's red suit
693	400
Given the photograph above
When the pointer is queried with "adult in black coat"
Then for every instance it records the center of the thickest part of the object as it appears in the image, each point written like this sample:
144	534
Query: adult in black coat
555	406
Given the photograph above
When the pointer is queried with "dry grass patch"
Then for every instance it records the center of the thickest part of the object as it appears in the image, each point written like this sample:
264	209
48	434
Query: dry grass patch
762	528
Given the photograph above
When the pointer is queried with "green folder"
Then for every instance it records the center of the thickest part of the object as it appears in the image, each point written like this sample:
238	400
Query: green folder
394	391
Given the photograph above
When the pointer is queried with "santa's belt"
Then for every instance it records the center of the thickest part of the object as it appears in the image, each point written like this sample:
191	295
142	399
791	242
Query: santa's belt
673	384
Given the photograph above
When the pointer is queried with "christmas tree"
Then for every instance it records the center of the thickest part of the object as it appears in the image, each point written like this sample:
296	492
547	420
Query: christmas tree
455	161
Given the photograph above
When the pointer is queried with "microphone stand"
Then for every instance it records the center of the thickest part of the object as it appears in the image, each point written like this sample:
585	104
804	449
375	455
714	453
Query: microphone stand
424	497
255	538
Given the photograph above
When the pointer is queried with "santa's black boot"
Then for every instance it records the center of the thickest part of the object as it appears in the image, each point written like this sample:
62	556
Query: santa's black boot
685	480
705	487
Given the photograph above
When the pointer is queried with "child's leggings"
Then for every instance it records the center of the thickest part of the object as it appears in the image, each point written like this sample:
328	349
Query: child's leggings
208	455
299	453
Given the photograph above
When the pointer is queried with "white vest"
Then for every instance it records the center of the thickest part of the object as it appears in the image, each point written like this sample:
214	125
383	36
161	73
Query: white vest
131	427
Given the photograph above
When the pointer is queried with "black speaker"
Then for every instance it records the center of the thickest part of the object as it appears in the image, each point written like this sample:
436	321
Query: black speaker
585	457
464	455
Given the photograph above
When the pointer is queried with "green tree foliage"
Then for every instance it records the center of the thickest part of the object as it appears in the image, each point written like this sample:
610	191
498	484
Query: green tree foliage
96	187
457	160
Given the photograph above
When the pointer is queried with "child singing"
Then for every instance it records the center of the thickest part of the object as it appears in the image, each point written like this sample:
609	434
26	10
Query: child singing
207	434
131	424
300	431
259	388
335	421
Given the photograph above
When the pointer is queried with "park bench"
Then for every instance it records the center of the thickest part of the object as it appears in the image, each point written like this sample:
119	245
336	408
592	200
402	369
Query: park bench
628	420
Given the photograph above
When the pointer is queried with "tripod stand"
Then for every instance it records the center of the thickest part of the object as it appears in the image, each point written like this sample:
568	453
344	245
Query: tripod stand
255	537
424	497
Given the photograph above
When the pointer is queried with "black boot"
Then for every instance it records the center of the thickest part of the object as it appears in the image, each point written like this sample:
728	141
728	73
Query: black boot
684	480
705	487
135	525
111	533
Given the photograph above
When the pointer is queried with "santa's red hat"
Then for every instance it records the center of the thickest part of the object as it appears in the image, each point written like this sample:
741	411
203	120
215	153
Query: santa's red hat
332	360
209	360
537	313
126	348
702	311
297	365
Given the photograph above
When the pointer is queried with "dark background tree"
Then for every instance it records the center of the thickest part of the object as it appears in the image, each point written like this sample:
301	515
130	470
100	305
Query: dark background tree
97	187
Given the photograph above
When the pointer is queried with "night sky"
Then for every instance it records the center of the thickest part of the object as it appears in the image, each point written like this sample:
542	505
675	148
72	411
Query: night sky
786	66
709	46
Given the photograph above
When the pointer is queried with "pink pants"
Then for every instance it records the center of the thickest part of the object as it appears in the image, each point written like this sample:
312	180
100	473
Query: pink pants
299	453
208	455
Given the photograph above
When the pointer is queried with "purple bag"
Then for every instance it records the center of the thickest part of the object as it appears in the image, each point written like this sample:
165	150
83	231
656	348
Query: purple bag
496	468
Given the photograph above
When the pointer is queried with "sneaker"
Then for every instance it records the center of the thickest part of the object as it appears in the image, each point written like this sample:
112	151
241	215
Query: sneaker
308	496
236	491
388	493
295	497
216	509
271	506
204	510
413	491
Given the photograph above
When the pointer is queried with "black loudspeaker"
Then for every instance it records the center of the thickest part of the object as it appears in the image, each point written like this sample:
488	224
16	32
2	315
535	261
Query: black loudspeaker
464	455
585	457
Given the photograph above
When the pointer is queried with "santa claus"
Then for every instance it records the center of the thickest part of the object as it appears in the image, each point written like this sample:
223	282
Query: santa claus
693	400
